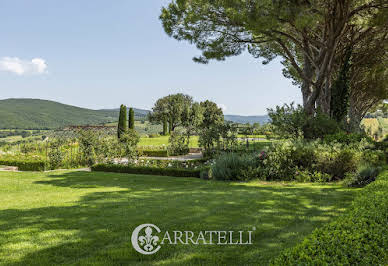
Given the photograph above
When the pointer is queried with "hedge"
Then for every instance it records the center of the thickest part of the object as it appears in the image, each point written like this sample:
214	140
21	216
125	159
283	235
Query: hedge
24	165
177	172
155	153
359	237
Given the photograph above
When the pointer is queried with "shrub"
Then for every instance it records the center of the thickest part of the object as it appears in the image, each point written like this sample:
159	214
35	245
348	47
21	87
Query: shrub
307	176
374	157
364	176
24	164
337	160
288	120
232	166
359	237
55	154
177	144
147	170
285	159
293	122
319	126
346	138
128	142
279	163
87	142
191	164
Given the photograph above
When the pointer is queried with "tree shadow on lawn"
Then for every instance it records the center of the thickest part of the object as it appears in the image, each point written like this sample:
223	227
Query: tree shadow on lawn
97	228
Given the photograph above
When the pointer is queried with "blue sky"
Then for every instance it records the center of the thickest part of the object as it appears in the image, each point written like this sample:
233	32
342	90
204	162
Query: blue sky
99	54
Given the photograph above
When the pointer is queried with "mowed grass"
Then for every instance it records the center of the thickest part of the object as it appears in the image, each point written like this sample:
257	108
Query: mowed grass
81	218
163	140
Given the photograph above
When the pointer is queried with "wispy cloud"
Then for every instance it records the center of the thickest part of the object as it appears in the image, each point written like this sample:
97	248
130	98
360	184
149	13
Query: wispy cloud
22	67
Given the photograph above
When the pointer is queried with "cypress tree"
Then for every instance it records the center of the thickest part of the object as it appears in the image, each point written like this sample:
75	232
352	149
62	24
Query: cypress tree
122	126
164	126
131	118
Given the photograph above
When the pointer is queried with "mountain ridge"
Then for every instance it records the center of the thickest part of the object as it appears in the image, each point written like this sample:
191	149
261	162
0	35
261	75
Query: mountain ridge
28	113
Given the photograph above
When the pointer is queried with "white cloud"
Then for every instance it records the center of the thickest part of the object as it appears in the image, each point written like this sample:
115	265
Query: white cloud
22	67
222	106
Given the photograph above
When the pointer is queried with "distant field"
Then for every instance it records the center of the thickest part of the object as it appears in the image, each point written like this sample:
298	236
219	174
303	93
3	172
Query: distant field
163	140
143	128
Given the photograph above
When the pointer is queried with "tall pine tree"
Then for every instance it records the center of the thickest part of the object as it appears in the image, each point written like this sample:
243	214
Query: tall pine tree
131	119
122	126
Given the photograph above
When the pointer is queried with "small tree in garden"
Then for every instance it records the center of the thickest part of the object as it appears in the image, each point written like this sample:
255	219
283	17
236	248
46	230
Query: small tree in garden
55	154
213	115
122	126
208	137
87	141
228	133
131	119
128	142
177	144
192	119
209	129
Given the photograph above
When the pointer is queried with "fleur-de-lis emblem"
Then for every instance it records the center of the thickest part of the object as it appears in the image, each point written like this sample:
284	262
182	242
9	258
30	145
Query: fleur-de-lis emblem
148	241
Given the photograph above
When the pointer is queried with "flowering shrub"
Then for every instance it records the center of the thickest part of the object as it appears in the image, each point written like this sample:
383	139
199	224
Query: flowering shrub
191	164
285	159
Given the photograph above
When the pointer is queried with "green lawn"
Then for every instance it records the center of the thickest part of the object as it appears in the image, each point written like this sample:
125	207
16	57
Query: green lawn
159	141
87	218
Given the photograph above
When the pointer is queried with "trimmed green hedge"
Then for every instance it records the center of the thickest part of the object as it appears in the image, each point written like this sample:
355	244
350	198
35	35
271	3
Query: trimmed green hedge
147	170
24	165
360	237
155	153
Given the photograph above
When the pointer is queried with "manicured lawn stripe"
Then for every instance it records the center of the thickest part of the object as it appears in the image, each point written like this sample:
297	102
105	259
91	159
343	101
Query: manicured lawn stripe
87	218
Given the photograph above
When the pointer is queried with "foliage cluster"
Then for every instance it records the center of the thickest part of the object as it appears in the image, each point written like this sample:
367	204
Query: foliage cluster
300	160
291	121
360	237
24	163
129	169
191	164
177	144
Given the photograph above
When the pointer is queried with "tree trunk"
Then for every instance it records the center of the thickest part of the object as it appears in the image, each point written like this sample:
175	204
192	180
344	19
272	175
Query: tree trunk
307	88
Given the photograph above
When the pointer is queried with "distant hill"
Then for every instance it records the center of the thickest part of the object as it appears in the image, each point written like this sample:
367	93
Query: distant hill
262	119
43	114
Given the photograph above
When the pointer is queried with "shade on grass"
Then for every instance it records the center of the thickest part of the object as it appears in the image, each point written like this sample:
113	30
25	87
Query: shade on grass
87	218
